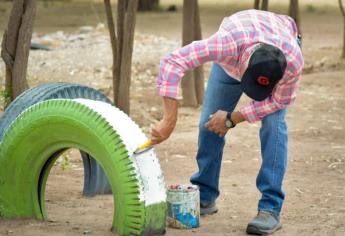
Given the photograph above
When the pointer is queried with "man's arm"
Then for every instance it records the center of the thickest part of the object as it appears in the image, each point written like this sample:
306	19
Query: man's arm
283	95
166	126
172	69
237	117
174	65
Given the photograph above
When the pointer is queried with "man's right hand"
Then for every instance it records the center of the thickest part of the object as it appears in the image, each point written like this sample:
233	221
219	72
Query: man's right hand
162	131
165	127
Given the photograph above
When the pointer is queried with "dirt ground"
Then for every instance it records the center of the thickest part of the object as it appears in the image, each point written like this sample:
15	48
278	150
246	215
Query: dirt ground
314	183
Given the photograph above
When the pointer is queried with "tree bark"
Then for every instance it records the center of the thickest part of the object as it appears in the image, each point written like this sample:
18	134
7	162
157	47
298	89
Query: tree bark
342	10
343	54
121	13
198	73
122	40
148	5
114	47
16	47
188	82
294	13
256	4
264	5
126	56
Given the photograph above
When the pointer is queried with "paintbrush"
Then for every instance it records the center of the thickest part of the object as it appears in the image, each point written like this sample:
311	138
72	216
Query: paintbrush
148	145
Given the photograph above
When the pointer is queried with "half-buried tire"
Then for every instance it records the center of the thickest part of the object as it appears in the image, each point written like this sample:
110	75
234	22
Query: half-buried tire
34	140
95	181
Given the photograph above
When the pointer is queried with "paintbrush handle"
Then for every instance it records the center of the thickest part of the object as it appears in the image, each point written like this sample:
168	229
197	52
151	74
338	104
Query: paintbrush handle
146	144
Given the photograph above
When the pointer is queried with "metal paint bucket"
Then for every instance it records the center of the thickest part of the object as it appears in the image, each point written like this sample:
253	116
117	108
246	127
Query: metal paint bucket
183	206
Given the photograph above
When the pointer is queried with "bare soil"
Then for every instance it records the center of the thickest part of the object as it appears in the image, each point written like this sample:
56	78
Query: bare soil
315	180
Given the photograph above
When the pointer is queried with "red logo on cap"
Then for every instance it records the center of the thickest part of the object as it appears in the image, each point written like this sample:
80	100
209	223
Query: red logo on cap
264	81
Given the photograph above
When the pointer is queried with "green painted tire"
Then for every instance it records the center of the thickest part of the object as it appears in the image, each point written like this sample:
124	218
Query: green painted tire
37	137
95	181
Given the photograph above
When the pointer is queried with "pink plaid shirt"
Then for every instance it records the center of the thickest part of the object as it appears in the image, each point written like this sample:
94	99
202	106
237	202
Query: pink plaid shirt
231	48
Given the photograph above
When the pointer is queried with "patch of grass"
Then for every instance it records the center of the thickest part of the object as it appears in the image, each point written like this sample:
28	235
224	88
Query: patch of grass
64	162
310	8
5	97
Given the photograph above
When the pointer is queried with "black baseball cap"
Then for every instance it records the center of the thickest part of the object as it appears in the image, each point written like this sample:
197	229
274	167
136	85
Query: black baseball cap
266	67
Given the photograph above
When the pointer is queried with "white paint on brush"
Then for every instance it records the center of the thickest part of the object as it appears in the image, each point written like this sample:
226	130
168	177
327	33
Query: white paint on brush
147	168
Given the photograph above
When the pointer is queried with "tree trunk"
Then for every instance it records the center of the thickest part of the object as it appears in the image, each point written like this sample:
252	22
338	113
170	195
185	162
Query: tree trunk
188	82
148	5
343	54
114	46
198	73
16	47
122	47
126	56
264	5
121	13
294	13
342	10
256	4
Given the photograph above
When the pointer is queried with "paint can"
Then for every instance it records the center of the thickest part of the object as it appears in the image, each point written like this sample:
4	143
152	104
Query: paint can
183	206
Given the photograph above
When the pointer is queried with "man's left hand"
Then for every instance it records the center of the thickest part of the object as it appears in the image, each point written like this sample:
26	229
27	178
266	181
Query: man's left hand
217	124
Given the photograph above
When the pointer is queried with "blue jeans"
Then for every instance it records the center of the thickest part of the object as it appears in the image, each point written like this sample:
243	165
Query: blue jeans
223	93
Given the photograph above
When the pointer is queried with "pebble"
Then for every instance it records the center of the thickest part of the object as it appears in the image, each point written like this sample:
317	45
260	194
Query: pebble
85	29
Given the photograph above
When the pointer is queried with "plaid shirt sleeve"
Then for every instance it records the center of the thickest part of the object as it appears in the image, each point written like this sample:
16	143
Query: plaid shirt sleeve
283	95
175	64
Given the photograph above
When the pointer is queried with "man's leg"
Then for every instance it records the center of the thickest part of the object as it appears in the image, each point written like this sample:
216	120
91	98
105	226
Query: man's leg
274	141
274	145
222	93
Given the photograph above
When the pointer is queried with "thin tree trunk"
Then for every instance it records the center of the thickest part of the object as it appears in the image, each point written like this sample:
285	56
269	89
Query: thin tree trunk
256	4
122	49
121	13
9	61
9	47
294	13
23	48
264	5
188	82
113	40
126	57
198	73
16	47
343	54
342	10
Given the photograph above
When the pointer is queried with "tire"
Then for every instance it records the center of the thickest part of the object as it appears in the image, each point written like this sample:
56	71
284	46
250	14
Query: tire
35	139
95	181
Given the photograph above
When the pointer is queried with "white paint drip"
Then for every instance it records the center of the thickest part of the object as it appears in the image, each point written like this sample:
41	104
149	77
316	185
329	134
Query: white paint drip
147	168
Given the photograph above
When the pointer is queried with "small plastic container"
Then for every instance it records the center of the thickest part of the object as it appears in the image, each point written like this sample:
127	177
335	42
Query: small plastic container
183	206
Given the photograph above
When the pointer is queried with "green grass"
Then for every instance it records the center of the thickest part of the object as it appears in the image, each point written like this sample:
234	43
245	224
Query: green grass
64	161
310	8
5	98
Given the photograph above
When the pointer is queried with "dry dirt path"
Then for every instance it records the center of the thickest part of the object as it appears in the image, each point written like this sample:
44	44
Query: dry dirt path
314	183
315	189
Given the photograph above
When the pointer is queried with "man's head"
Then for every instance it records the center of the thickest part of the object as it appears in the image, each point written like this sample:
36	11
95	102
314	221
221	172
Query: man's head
266	67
